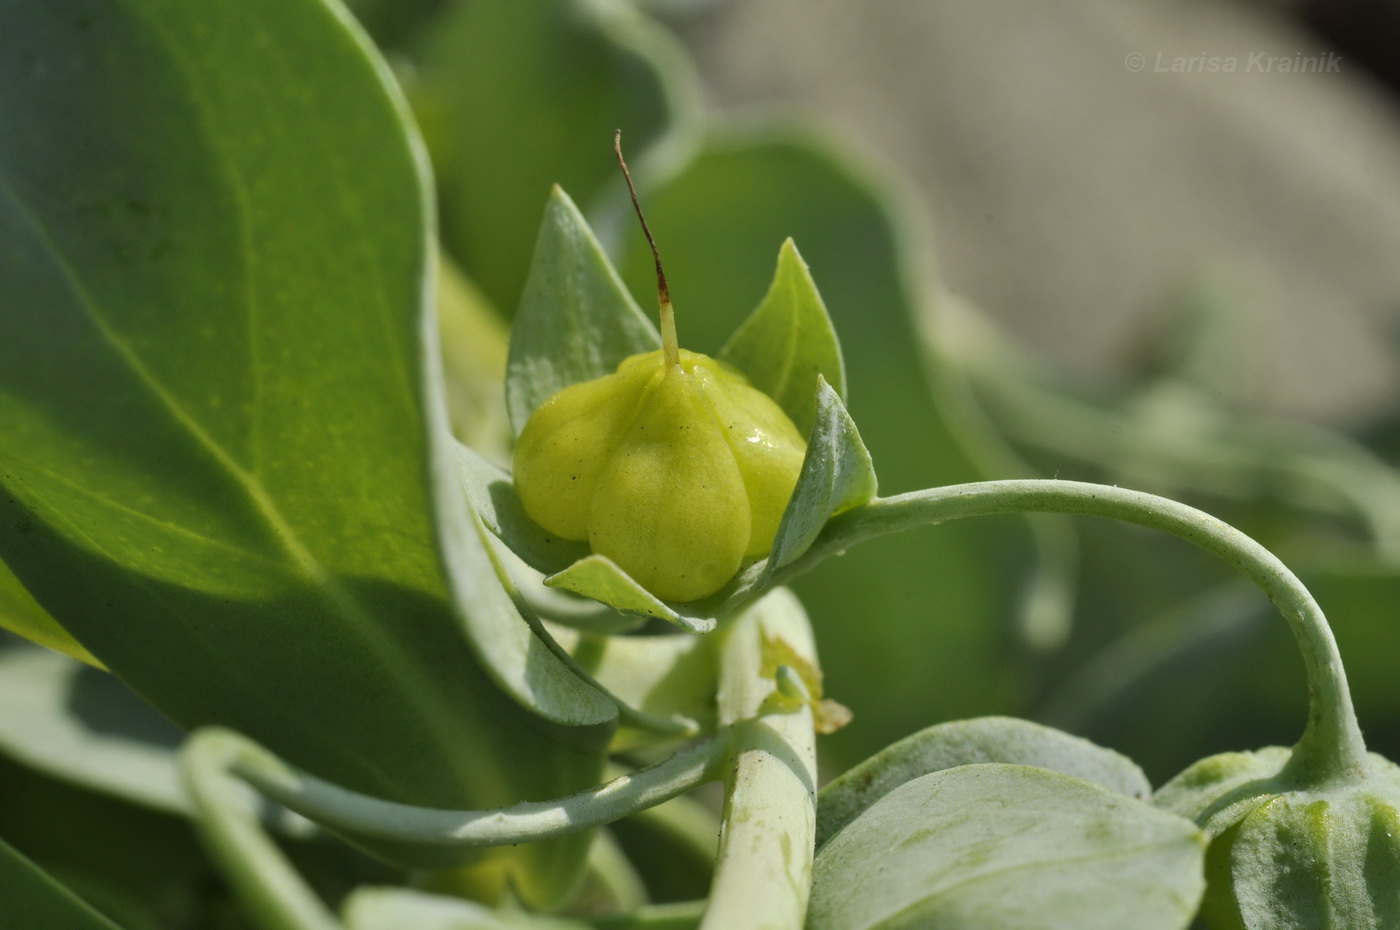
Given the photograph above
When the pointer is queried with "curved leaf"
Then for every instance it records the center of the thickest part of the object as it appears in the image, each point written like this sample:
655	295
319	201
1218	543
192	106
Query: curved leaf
968	742
788	342
217	383
1005	847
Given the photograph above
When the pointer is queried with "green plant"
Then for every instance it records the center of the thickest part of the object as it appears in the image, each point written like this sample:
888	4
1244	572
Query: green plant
231	479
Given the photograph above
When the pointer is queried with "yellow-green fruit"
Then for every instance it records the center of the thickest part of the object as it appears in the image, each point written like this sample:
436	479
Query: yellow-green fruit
675	473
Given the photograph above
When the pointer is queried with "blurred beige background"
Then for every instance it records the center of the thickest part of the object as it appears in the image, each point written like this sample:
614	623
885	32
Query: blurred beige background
1075	188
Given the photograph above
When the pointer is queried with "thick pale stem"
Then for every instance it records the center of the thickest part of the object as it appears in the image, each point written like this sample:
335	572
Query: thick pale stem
263	878
763	875
352	812
1331	746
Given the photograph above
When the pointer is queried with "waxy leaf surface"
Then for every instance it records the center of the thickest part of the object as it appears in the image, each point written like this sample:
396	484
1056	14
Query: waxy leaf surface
1006	847
970	742
226	469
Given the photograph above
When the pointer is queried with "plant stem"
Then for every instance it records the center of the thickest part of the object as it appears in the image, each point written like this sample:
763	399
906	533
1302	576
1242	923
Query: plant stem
342	809
763	875
264	879
1331	746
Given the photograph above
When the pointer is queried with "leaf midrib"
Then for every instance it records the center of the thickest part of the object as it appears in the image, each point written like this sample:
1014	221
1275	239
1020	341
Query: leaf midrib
360	620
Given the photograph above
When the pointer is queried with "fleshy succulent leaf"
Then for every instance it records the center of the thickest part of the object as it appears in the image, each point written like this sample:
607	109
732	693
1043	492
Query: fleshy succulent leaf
969	742
1004	847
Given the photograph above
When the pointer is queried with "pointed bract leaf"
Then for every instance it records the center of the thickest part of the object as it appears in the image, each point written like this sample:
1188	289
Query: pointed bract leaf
837	474
1006	847
576	320
599	577
30	897
968	742
788	342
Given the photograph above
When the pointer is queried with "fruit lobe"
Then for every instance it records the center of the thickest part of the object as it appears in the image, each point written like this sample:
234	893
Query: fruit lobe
676	473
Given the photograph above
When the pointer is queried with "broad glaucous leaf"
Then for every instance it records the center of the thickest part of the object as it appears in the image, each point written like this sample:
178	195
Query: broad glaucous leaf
226	446
30	897
1005	847
576	320
968	742
514	97
788	342
946	597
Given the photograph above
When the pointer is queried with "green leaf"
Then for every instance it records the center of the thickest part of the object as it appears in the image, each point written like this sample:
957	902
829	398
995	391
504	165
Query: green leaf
514	97
788	342
513	650
21	614
29	897
837	474
219	394
83	726
968	742
1005	847
598	577
576	320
